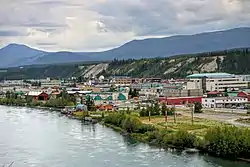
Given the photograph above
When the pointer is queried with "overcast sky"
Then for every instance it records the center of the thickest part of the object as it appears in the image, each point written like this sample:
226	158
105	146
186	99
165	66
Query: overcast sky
90	25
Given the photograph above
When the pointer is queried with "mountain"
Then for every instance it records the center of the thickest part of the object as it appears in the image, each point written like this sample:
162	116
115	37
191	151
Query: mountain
231	61
15	52
15	55
183	44
62	57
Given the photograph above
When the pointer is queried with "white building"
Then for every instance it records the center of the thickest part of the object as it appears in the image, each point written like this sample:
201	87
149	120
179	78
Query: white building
13	83
50	83
223	102
216	81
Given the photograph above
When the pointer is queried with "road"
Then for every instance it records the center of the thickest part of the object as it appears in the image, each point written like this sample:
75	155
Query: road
225	116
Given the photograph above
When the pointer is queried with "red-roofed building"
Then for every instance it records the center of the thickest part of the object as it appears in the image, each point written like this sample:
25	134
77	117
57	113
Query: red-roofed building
244	94
179	100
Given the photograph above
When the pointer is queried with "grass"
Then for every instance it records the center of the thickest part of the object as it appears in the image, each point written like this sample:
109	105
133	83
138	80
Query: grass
183	123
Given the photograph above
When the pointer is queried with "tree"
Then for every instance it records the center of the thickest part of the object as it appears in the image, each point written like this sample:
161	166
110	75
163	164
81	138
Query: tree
112	88
90	104
163	109
8	94
197	107
226	92
218	62
135	93
143	112
156	109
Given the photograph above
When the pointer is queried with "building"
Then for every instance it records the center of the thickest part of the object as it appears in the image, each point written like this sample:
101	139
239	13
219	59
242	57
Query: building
179	100
36	95
175	92
13	83
48	83
216	82
245	94
107	97
224	102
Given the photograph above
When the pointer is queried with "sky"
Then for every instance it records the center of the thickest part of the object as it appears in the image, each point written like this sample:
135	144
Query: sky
95	25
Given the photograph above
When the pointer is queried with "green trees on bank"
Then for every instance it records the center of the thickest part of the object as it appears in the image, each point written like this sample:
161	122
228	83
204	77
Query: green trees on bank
228	142
156	110
225	141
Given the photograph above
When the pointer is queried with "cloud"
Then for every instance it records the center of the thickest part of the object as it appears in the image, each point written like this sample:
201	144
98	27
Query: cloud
7	33
86	25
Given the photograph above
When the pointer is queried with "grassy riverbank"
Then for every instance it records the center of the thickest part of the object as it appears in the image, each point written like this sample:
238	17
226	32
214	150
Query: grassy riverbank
216	138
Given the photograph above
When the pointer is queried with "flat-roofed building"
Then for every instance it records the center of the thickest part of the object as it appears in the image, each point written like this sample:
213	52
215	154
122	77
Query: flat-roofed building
216	81
223	102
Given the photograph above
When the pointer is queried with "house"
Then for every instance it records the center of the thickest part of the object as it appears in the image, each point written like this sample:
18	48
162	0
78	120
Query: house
245	94
107	97
107	107
38	95
224	102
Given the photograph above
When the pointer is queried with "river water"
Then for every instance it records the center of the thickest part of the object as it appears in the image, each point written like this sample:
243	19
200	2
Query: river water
38	138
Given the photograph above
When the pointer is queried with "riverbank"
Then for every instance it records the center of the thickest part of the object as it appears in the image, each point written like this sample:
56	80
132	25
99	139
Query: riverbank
223	141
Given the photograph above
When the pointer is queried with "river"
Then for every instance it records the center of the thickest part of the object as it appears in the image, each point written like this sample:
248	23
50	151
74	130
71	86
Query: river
39	138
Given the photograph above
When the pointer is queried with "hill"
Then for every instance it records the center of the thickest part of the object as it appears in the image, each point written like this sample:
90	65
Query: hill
231	61
17	55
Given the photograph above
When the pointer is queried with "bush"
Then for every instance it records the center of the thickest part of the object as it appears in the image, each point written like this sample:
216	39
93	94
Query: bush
182	139
145	128
171	111
143	113
197	107
131	124
228	142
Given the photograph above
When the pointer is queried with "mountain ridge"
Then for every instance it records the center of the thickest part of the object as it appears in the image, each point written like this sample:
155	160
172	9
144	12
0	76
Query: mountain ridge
19	54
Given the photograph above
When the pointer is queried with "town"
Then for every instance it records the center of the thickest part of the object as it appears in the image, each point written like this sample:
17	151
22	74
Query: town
211	90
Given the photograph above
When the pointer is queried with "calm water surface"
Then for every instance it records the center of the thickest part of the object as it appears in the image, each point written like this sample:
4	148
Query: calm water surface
38	138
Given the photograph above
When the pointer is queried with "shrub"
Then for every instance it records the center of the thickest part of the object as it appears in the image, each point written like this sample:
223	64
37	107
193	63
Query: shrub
145	128
197	107
171	111
181	139
115	119
228	142
144	113
131	124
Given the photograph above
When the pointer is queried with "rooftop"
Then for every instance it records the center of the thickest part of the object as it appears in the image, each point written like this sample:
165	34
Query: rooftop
210	75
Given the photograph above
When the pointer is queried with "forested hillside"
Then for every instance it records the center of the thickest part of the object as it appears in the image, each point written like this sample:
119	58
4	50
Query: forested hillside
234	61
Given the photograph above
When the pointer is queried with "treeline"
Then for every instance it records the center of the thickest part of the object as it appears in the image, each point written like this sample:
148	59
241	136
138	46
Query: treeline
226	141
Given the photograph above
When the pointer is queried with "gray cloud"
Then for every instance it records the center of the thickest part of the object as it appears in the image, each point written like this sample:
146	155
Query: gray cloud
8	33
46	43
95	24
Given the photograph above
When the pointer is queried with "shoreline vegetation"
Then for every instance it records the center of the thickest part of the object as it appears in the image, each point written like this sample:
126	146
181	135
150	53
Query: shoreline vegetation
225	141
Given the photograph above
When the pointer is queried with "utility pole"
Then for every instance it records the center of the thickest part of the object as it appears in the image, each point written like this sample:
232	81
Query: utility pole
149	115
174	115
192	113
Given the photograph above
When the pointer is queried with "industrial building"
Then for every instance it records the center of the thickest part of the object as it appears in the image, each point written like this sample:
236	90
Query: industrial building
216	82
